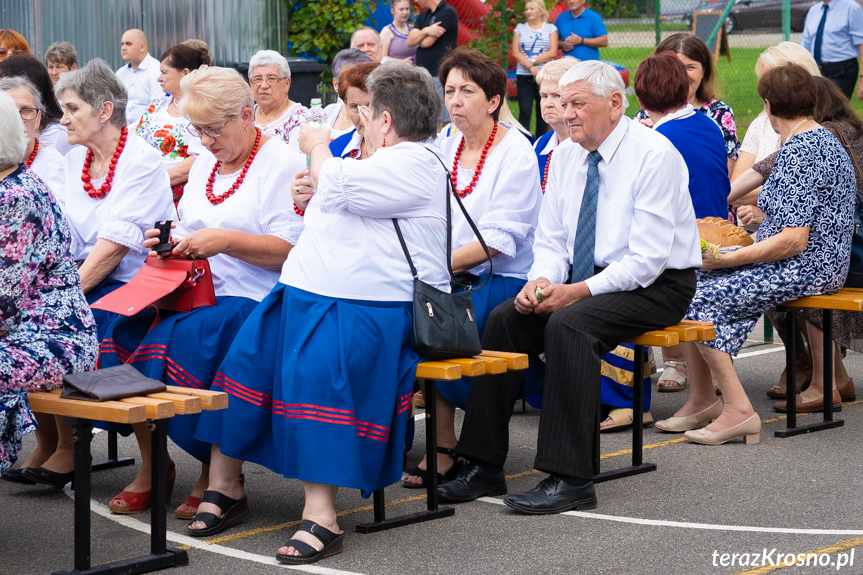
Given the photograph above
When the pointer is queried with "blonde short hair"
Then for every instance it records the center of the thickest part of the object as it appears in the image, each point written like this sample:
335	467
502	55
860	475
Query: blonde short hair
786	53
554	70
540	4
212	94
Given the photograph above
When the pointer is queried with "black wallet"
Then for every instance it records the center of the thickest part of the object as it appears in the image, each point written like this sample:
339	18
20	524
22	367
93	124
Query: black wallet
109	384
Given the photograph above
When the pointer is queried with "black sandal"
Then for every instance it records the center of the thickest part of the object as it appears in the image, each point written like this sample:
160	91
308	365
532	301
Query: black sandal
233	510
441	477
334	543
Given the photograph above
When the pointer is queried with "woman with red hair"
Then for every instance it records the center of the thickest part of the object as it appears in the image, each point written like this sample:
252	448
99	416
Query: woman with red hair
11	42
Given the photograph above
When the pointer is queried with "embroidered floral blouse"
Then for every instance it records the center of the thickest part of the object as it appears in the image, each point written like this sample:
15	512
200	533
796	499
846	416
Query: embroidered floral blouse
167	133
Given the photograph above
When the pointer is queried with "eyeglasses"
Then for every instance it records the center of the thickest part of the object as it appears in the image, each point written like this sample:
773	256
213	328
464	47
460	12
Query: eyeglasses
212	132
9	52
28	113
258	80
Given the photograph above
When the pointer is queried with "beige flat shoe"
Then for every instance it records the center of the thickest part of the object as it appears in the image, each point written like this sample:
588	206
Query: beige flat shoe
623	417
749	430
687	422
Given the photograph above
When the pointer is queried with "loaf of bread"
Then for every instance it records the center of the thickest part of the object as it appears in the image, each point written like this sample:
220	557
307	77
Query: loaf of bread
722	233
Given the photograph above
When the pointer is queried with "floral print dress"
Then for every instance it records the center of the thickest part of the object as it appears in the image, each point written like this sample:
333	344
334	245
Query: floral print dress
47	325
811	186
168	134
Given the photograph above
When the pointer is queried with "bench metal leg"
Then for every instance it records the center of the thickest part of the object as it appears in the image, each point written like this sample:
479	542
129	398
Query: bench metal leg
792	428
638	466
113	461
161	556
433	511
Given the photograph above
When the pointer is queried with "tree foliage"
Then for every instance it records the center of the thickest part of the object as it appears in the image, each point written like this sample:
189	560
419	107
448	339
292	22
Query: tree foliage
318	29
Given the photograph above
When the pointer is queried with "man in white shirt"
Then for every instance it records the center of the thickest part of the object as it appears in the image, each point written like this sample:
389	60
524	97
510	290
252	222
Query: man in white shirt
618	219
139	74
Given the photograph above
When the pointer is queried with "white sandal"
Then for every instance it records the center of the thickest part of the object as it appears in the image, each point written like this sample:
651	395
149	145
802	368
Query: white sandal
670	373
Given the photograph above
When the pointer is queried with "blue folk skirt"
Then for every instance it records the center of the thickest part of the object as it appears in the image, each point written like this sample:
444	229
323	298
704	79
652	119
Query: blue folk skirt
320	389
103	318
498	289
183	349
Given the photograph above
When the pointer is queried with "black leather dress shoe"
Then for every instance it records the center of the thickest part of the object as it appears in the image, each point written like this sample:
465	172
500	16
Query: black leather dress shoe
45	477
554	495
472	483
15	476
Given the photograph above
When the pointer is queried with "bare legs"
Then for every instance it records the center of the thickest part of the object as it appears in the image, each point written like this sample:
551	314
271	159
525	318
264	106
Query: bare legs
703	361
445	411
46	441
225	478
815	391
62	460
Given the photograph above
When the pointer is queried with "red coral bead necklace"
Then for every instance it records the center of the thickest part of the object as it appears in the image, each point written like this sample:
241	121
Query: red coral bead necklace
33	154
101	191
478	171
545	171
214	199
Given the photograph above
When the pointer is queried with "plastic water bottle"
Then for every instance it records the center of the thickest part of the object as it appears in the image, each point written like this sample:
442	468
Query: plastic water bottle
316	117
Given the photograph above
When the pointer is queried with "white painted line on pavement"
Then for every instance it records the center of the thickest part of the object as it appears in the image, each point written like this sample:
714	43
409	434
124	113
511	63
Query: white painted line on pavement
132	523
686	525
760	352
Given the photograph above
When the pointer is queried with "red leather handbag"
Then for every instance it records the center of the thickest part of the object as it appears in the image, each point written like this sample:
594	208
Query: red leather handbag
167	283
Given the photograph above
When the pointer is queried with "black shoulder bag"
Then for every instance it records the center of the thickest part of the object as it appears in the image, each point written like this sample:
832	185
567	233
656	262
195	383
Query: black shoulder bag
444	324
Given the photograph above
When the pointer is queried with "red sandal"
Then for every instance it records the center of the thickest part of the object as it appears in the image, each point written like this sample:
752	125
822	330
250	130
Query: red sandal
131	502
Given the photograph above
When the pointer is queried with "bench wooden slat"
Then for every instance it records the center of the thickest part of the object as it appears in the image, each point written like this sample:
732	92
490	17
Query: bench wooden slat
684	332
183	404
658	338
469	367
493	365
438	370
706	331
514	361
210	400
846	299
156	408
111	411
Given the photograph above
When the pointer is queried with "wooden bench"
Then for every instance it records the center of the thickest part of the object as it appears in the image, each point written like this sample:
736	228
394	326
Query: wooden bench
685	331
487	363
156	408
846	299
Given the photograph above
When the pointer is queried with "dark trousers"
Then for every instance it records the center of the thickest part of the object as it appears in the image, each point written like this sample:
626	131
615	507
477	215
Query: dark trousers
573	339
843	74
528	99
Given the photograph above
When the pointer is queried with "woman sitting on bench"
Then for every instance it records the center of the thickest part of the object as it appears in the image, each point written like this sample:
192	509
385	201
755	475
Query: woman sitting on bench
232	213
46	328
115	188
322	372
803	248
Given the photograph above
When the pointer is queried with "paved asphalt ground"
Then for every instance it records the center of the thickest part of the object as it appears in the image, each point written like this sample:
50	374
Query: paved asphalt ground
789	495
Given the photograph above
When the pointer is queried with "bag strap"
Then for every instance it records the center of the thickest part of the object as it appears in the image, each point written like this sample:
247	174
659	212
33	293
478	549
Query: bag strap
449	192
840	135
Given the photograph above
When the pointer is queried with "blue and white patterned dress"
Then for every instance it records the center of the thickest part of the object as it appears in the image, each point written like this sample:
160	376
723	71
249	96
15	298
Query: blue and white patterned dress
49	328
811	186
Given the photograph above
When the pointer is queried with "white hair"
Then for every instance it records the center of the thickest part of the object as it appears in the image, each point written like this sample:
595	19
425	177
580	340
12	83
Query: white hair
604	80
269	58
13	140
